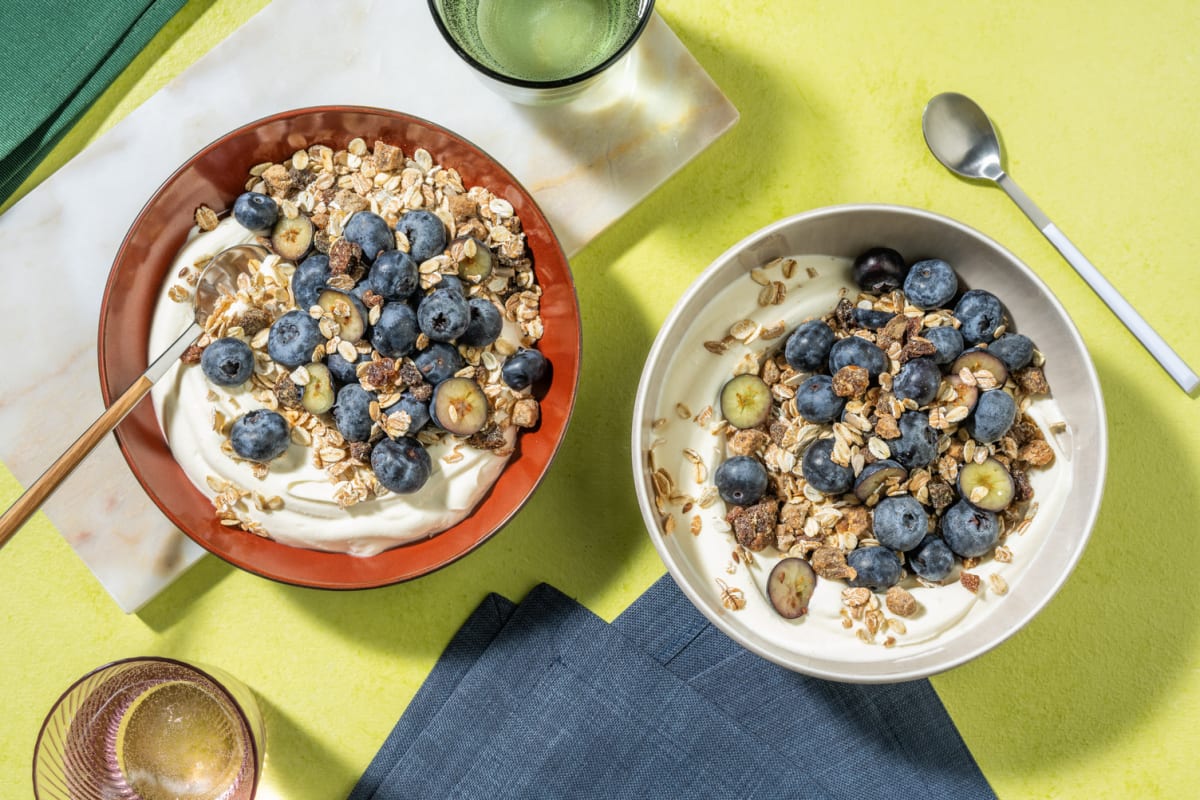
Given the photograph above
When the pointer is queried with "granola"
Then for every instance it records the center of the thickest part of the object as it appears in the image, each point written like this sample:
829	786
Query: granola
485	255
832	527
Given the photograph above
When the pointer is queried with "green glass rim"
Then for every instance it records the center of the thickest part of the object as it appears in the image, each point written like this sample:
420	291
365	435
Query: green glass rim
645	11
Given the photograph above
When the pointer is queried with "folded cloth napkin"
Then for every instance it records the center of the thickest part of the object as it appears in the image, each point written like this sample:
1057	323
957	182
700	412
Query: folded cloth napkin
546	700
56	60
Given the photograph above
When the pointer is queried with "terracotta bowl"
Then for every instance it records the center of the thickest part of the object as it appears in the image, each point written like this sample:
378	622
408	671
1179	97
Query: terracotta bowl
215	176
816	644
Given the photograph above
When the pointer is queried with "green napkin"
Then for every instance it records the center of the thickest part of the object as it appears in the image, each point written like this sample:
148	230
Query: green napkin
55	60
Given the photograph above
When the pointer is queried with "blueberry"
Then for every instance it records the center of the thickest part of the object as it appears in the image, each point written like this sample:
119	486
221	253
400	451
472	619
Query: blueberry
980	314
395	334
342	370
1015	350
932	559
308	281
816	401
259	435
484	325
425	232
857	351
807	349
401	465
293	338
917	445
871	319
918	380
741	480
993	416
438	362
452	283
370	232
255	211
970	532
523	368
360	290
394	275
878	568
948	341
879	270
443	315
930	283
227	361
417	410
352	412
822	473
899	522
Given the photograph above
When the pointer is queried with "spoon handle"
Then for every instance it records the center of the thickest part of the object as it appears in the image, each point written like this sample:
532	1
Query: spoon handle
29	502
43	487
1158	347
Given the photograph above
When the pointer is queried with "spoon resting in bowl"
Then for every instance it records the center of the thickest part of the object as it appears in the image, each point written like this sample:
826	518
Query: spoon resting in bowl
960	135
218	278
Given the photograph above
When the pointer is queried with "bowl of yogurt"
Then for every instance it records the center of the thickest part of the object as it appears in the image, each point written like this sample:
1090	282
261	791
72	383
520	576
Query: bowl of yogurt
810	571
324	508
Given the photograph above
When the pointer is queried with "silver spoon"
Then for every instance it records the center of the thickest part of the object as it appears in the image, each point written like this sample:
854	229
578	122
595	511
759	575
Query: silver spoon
219	277
961	136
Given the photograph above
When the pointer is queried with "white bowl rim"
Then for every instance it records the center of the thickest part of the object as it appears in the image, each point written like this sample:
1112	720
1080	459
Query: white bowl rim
646	502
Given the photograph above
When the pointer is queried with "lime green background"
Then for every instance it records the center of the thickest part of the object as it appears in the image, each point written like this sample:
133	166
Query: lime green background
1098	106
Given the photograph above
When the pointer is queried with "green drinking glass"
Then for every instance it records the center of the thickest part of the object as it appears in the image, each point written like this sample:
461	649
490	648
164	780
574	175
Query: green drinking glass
539	52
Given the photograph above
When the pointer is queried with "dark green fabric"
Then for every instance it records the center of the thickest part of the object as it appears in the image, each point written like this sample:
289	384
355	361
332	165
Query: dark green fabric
56	58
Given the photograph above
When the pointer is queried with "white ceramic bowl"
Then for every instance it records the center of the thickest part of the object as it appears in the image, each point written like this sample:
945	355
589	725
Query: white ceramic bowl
1068	494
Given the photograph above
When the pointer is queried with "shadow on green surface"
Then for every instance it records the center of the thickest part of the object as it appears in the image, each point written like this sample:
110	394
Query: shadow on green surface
1117	640
723	187
171	605
297	764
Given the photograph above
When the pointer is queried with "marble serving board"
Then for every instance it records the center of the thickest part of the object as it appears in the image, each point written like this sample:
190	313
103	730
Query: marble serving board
586	163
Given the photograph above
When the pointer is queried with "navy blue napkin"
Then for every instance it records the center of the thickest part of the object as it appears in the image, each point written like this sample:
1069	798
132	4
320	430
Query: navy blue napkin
546	700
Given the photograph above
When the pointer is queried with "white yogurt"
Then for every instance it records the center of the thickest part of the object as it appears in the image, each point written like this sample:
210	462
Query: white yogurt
695	377
310	516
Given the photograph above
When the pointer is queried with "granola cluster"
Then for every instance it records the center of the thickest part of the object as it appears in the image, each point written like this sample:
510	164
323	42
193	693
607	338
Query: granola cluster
328	186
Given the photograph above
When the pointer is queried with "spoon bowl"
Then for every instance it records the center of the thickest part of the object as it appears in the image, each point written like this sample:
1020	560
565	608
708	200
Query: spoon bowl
961	136
220	277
